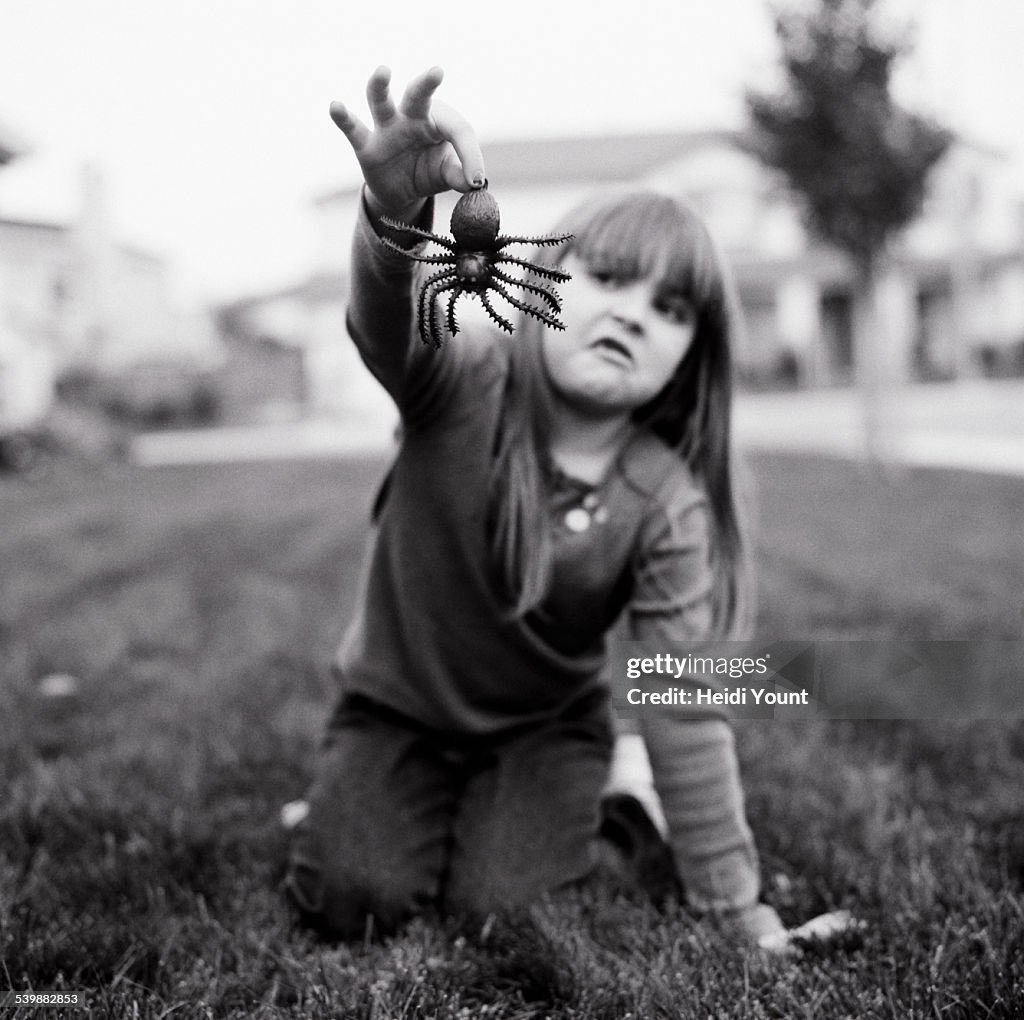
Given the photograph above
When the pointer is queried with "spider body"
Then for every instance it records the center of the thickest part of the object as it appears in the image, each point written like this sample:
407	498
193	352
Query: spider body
471	264
473	269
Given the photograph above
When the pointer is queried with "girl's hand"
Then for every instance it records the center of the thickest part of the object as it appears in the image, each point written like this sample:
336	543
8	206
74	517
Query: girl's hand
416	149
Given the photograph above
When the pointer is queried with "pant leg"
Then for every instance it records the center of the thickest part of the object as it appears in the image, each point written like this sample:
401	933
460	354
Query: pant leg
529	816
376	839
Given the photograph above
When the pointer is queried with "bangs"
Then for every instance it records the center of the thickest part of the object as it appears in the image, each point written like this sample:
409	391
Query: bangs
647	236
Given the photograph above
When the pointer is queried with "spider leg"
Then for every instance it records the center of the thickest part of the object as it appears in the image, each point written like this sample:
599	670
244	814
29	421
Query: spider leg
427	321
424	313
486	302
558	275
407	228
559	239
436	333
548	296
537	313
453	326
409	254
425	290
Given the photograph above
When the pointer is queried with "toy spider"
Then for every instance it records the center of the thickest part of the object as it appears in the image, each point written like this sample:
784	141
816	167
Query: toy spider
472	256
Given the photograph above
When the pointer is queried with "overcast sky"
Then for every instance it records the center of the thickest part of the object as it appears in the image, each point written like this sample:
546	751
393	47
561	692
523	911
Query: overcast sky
209	117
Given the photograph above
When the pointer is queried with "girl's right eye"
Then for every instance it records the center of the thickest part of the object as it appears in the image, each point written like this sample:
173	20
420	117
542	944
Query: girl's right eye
603	277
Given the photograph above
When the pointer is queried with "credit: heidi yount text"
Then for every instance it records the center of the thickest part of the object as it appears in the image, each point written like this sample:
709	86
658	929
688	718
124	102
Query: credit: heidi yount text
702	682
726	697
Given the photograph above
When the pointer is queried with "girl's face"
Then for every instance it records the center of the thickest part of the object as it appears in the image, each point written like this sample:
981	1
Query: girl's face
622	342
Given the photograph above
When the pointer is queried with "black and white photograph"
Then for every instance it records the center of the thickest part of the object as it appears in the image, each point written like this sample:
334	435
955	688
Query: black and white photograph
512	512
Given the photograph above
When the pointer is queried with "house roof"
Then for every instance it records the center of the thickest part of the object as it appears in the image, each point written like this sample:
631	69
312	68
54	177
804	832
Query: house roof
602	158
319	287
50	229
290	291
33	225
598	158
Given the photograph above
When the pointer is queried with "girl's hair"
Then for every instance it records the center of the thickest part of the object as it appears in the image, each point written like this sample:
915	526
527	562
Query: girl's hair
643	235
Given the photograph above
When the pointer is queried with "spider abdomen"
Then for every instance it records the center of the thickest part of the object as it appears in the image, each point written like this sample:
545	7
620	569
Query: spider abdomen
476	220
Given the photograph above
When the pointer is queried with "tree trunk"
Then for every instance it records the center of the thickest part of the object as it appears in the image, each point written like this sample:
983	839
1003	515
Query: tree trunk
877	380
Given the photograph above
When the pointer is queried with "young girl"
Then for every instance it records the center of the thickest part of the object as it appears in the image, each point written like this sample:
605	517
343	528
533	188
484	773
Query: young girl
547	484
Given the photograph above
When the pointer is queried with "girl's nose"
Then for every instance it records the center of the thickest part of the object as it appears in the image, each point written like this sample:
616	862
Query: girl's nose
630	306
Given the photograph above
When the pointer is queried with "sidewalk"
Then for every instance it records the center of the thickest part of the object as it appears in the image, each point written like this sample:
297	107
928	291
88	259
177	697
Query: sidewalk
974	425
316	439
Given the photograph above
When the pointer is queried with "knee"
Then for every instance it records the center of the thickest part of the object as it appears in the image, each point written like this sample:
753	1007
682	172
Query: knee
477	892
474	903
340	904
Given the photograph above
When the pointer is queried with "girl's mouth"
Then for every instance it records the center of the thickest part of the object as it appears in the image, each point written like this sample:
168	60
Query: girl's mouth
611	345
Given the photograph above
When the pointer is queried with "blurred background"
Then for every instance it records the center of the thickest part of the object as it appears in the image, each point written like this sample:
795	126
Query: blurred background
176	206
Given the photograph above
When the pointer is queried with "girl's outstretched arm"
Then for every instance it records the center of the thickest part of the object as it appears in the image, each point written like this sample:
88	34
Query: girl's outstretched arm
415	150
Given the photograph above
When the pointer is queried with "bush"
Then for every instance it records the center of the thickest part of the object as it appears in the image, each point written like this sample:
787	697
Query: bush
1001	361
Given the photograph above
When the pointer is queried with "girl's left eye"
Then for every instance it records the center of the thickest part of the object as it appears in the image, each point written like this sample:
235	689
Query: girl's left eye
675	308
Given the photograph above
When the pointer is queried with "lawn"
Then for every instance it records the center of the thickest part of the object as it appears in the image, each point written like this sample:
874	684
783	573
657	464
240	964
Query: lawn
140	851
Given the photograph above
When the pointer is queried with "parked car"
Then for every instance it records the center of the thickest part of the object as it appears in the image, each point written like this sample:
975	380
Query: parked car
161	394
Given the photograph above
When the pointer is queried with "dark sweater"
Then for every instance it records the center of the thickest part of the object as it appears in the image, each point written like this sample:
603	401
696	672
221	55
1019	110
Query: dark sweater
431	638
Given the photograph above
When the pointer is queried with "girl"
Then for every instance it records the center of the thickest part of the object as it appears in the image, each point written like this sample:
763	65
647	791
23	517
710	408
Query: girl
546	484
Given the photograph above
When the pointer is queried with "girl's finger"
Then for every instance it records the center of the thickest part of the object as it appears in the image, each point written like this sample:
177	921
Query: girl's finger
354	129
449	168
418	93
378	96
453	126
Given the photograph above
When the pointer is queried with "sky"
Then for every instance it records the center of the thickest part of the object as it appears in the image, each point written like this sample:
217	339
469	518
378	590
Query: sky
209	118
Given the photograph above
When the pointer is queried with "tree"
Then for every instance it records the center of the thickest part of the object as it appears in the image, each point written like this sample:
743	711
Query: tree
857	162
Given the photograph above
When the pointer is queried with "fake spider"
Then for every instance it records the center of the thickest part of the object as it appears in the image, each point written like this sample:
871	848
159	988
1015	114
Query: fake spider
470	266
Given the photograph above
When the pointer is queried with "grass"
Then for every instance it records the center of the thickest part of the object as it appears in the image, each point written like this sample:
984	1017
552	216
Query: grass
140	853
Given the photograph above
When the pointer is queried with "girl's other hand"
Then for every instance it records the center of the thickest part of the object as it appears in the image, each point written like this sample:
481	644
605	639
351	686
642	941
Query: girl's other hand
415	150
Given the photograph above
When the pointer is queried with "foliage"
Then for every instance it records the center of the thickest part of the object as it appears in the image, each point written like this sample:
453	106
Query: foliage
857	160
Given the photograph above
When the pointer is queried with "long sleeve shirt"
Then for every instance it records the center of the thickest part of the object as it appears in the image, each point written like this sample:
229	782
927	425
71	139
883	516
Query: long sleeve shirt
433	639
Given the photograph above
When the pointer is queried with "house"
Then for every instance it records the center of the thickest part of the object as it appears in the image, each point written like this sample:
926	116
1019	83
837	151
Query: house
264	375
954	291
286	357
26	364
98	302
73	299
